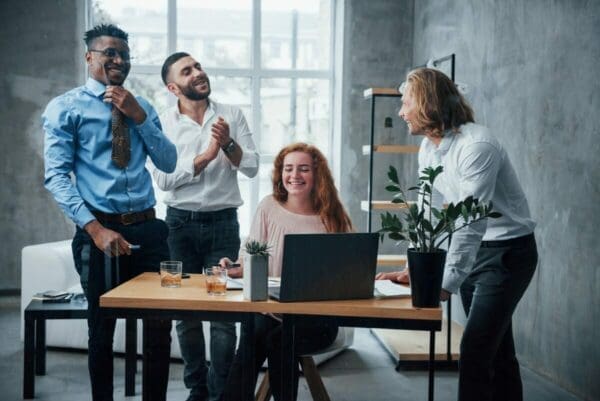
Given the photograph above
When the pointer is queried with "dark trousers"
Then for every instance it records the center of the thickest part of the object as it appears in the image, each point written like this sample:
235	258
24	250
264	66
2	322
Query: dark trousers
200	239
98	274
267	345
489	370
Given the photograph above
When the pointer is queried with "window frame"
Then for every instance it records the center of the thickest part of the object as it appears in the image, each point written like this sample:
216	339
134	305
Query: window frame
256	73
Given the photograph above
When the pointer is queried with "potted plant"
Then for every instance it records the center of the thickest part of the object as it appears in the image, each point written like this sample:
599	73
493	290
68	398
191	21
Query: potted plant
427	228
256	271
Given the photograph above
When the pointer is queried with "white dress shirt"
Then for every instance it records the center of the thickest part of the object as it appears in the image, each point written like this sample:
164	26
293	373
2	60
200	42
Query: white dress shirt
216	187
475	164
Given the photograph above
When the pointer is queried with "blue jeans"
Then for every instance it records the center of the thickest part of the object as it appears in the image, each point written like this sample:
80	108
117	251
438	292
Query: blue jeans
99	273
200	239
488	367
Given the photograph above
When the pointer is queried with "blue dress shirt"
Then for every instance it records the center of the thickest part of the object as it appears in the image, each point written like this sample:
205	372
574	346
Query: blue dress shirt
78	140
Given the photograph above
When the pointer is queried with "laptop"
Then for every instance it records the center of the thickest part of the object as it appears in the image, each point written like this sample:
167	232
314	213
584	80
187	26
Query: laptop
319	267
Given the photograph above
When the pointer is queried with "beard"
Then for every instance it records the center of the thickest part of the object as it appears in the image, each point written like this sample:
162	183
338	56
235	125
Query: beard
119	78
191	93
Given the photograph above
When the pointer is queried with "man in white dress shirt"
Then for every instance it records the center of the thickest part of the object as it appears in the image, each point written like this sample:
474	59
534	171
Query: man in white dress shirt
490	262
213	143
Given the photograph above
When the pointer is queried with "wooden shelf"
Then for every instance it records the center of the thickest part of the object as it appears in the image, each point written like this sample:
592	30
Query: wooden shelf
382	205
381	92
409	345
391	260
397	149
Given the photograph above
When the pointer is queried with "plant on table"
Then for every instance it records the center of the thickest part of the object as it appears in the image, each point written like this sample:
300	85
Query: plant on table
427	228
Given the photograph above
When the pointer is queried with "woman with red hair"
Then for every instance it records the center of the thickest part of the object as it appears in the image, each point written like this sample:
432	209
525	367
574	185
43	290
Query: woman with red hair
304	200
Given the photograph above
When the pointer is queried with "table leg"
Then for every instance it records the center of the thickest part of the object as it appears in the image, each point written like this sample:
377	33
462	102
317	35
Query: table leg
146	396
287	358
29	357
130	355
40	346
431	363
248	358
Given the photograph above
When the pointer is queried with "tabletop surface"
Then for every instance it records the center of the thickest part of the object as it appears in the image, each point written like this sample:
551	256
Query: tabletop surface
145	292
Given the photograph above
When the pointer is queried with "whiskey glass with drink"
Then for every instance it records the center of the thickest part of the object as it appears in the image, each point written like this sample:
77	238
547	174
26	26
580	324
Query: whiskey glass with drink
216	280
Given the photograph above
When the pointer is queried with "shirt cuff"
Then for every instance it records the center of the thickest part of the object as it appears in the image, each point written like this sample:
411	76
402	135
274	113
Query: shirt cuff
146	124
187	165
83	217
453	279
248	160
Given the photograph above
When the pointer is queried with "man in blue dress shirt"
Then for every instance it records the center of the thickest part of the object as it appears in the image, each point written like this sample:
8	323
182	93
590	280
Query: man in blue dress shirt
111	199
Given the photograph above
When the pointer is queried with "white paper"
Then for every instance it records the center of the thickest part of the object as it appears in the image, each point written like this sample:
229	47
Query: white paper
387	288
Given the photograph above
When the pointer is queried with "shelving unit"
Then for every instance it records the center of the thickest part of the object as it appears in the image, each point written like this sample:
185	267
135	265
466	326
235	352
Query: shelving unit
408	349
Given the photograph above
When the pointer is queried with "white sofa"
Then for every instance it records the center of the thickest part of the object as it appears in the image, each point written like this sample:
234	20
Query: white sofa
50	266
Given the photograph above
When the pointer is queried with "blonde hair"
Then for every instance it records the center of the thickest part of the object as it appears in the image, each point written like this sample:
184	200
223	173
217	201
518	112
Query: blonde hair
439	104
325	200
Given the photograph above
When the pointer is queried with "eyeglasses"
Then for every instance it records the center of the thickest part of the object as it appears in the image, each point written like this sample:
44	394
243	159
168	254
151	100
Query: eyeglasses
111	52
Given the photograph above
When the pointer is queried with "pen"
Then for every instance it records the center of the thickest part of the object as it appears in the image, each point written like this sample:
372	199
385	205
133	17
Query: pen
229	266
131	246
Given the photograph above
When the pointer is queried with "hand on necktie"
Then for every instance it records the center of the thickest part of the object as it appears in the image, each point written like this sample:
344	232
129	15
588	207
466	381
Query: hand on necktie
122	99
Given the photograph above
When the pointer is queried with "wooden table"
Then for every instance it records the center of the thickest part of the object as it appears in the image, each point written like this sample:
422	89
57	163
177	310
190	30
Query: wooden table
143	297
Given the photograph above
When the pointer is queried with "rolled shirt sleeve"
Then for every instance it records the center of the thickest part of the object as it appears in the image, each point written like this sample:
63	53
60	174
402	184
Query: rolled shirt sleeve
250	158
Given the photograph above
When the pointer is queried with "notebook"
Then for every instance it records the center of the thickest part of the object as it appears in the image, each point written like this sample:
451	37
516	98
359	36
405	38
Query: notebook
318	267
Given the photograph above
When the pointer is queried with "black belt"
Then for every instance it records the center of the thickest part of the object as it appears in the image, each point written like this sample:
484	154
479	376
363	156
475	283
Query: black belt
223	214
125	218
508	242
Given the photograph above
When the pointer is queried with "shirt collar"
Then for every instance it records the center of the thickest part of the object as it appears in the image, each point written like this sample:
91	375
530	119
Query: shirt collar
447	140
208	114
96	87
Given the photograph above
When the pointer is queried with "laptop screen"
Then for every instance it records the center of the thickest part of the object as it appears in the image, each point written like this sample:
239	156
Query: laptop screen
328	266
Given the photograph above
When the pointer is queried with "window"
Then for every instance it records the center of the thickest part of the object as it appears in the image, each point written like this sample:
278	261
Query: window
271	58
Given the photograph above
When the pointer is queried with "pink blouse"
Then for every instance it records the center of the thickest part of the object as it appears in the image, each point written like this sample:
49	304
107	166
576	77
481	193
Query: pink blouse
272	221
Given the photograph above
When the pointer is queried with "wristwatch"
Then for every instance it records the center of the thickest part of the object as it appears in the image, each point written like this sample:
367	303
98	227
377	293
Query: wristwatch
229	147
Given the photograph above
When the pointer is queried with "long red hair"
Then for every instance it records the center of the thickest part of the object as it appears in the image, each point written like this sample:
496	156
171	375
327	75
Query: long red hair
325	200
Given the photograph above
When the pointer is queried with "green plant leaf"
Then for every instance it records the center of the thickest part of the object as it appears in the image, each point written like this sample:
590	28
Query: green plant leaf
468	202
393	175
392	188
464	210
396	236
257	248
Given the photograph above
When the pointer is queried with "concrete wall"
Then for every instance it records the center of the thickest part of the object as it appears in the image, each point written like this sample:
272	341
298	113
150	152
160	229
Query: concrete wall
532	67
42	56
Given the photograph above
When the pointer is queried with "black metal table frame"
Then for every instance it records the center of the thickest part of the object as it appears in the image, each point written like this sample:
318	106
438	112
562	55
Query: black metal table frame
289	322
34	353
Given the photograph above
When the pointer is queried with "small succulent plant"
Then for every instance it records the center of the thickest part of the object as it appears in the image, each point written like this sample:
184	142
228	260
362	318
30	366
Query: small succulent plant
257	248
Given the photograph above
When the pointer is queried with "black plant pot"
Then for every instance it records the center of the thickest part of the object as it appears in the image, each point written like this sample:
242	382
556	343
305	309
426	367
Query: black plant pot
426	270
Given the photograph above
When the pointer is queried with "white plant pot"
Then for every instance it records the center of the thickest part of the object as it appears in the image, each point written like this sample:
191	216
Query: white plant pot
256	275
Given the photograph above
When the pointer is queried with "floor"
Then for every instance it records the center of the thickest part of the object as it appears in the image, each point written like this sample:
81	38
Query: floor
363	372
